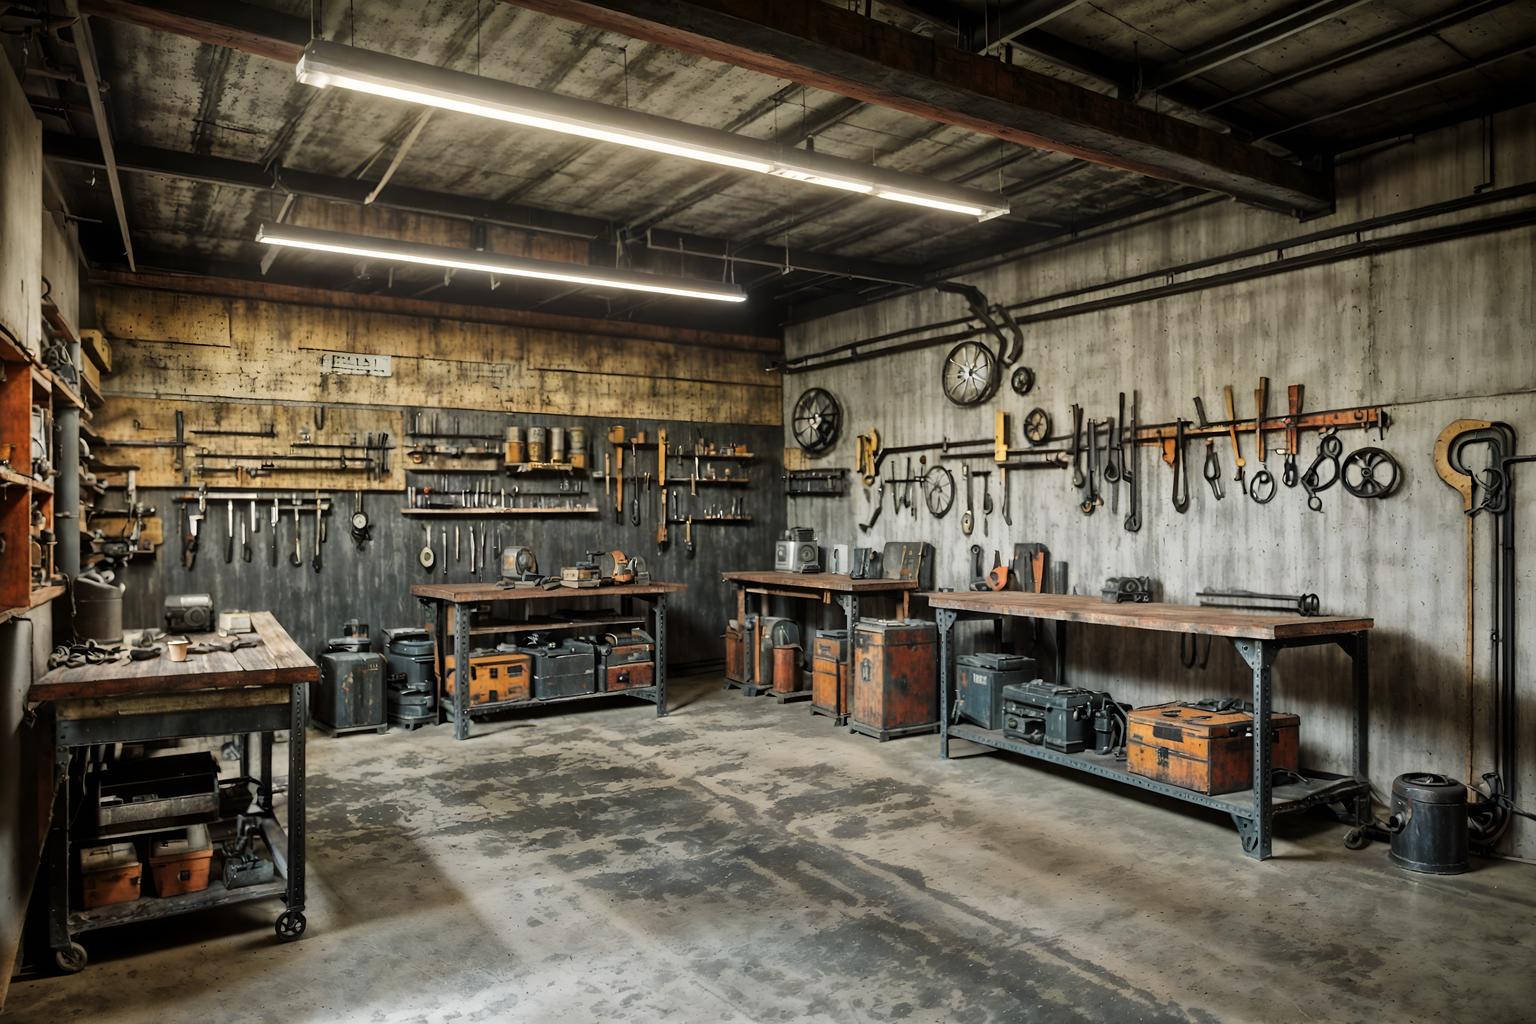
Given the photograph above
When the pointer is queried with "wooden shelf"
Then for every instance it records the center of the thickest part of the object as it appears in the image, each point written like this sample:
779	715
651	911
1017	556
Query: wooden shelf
69	394
10	352
42	595
92	395
56	319
740	456
583	510
719	481
703	520
543	467
10	476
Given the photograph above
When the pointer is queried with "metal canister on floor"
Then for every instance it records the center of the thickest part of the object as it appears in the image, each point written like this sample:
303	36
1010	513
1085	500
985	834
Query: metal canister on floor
1428	823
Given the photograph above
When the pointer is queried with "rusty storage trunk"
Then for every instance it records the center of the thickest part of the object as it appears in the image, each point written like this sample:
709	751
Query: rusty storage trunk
494	676
1207	751
626	661
829	671
895	678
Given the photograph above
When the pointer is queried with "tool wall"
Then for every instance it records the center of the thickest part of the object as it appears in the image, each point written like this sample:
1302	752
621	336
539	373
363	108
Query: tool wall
1431	336
371	580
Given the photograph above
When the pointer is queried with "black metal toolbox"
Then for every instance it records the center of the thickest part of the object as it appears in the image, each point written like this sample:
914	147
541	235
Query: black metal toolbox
567	668
979	682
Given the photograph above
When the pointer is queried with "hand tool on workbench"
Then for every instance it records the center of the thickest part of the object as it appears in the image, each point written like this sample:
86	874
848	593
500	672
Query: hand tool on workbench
229	531
1262	487
1237	448
1212	468
319	534
1128	468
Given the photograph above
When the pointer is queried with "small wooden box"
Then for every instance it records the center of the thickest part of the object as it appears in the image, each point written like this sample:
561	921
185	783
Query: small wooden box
109	874
735	656
494	676
1207	751
895	678
182	862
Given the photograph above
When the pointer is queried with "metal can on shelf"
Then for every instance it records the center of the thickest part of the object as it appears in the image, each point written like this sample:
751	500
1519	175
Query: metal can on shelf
516	449
538	444
576	438
556	444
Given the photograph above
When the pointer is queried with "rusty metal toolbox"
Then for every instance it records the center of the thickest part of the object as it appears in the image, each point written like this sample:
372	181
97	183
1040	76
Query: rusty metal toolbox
109	874
564	669
181	862
895	678
153	793
1205	750
626	661
494	676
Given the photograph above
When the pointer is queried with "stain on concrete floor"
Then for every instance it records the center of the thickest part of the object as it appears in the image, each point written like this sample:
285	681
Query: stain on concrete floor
744	861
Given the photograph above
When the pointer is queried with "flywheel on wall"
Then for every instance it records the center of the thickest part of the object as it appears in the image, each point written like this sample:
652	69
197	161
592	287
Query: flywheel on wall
817	421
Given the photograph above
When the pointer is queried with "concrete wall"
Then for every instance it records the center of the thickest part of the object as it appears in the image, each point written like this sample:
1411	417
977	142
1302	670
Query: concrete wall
1436	333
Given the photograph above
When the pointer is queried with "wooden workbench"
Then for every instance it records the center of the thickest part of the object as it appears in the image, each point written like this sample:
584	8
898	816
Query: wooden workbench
460	599
1258	637
253	690
823	587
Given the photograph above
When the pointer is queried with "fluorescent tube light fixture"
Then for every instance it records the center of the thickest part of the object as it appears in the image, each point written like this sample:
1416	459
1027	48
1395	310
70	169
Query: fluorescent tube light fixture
396	251
327	64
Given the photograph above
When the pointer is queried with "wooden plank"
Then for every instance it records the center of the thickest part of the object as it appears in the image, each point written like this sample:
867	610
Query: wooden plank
270	292
817	582
472	593
161	703
216	671
241	26
827	47
1167	618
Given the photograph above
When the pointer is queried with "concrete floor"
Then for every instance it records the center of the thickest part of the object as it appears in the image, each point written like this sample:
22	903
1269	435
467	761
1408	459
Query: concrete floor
741	861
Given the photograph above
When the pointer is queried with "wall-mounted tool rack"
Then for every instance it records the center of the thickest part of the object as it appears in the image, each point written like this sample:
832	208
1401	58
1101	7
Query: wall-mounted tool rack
815	483
582	510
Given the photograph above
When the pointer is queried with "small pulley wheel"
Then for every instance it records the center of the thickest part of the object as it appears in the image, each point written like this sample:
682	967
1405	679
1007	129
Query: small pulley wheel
1023	380
1037	427
1262	487
1370	473
359	522
939	491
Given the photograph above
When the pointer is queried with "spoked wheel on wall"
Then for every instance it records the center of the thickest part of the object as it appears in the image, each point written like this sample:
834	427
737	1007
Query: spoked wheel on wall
970	373
817	421
939	491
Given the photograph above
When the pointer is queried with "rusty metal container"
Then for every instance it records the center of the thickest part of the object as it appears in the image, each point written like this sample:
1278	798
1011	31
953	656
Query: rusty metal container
557	444
576	438
494	677
1207	751
895	678
516	447
829	671
538	444
786	668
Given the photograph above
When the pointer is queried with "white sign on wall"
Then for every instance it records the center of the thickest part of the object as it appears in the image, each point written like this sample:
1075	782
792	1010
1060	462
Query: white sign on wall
357	364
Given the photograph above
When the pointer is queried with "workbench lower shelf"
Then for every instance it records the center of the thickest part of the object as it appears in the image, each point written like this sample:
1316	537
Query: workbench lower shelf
1319	789
645	693
153	908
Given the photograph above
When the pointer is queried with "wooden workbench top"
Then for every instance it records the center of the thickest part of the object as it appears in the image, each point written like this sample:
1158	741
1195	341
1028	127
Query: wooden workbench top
1167	618
474	593
817	581
276	661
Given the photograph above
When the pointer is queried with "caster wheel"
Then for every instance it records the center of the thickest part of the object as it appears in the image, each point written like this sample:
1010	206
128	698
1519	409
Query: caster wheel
290	925
70	959
1356	839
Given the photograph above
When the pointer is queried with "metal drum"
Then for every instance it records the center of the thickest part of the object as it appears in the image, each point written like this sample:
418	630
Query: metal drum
516	448
576	439
538	444
556	444
1429	823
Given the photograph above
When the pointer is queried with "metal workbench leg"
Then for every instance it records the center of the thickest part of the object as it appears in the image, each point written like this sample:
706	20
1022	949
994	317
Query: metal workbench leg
850	605
68	955
1359	650
462	614
659	613
291	922
264	787
440	653
1061	653
945	617
1257	833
